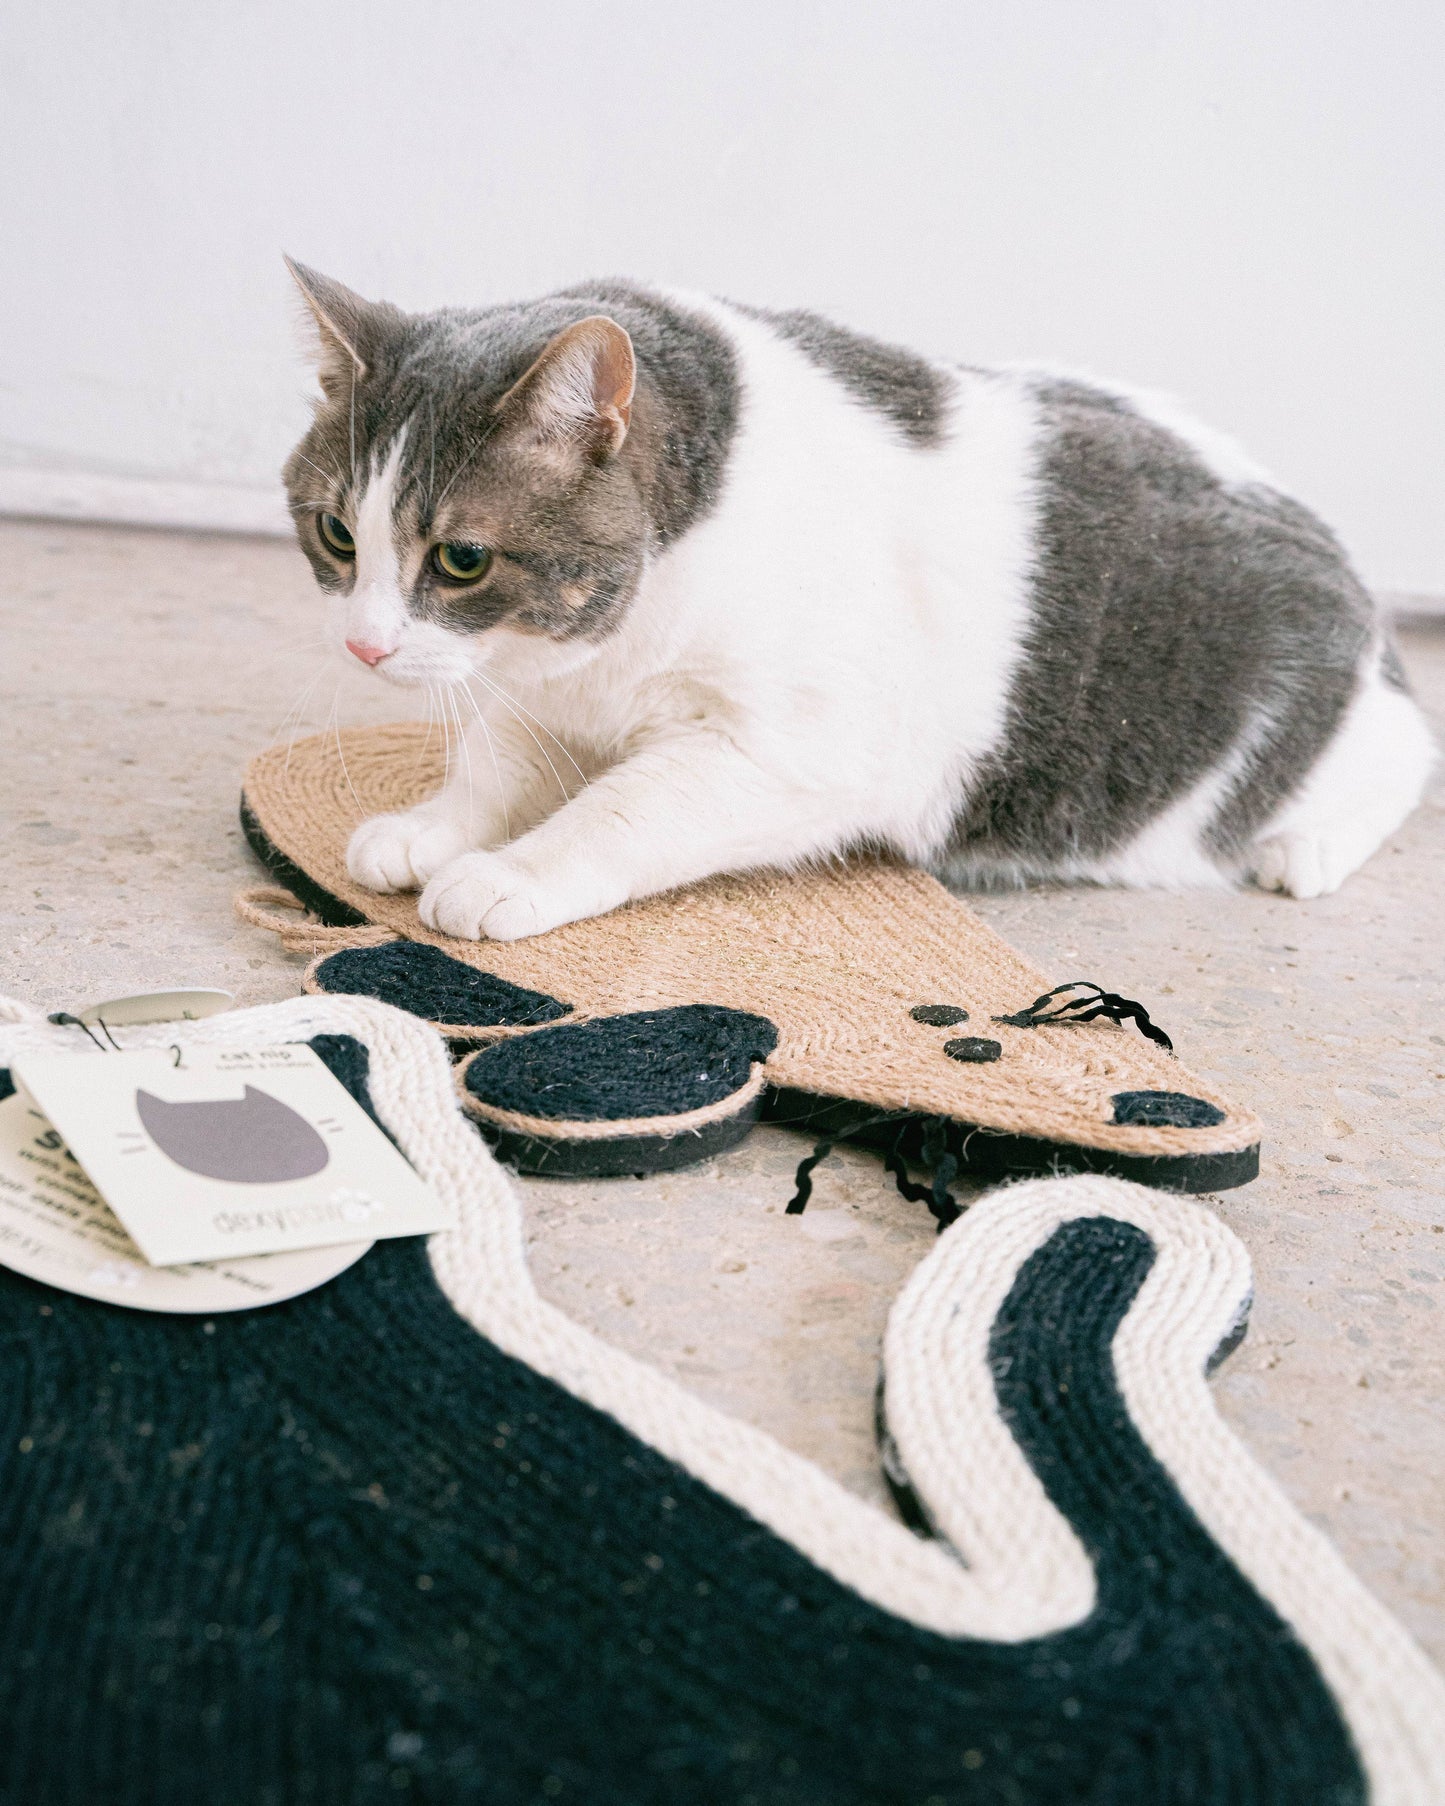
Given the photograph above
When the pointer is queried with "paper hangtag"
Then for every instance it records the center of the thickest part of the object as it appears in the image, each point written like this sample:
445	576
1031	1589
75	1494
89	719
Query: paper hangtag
150	1006
56	1227
234	1151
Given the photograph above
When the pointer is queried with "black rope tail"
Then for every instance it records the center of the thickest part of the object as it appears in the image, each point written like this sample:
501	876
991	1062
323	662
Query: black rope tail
941	1202
803	1178
1088	1007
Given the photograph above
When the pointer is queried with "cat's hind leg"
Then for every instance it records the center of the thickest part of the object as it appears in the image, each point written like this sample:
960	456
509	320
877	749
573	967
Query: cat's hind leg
1358	792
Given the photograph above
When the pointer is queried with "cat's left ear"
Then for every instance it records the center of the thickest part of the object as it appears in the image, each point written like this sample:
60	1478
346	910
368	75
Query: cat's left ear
579	391
349	331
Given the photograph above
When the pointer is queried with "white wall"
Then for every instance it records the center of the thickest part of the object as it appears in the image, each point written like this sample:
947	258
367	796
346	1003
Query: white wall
1240	200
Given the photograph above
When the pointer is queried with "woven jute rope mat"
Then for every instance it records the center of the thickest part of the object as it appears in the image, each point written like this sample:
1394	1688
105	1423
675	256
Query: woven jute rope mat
836	959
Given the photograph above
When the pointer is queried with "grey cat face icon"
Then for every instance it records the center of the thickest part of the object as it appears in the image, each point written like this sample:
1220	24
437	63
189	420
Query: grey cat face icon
253	1140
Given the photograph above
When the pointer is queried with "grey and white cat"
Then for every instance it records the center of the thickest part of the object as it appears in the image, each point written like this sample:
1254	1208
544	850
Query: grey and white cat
723	588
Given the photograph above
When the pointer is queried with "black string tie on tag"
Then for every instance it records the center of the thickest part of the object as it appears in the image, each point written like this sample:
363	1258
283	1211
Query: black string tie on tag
941	1202
1088	1007
64	1019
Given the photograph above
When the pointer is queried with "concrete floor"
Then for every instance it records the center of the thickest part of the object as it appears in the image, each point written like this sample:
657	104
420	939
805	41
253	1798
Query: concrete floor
141	670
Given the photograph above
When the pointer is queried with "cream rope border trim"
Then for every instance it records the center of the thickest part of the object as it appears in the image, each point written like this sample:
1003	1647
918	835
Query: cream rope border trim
479	1035
1197	1289
565	1128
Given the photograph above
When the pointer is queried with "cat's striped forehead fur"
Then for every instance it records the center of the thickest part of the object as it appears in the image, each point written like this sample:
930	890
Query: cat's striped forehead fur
570	437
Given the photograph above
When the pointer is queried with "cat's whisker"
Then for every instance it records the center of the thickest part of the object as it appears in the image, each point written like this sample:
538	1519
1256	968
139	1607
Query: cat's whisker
518	710
330	476
295	713
446	728
287	651
496	767
431	475
326	662
556	775
290	729
466	750
425	746
278	645
291	722
335	725
353	426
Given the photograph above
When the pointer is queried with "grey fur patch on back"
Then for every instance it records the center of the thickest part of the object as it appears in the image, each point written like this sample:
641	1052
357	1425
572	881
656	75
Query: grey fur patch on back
1175	620
903	387
571	543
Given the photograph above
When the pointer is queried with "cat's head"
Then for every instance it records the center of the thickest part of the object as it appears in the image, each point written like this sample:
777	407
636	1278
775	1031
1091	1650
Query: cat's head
469	477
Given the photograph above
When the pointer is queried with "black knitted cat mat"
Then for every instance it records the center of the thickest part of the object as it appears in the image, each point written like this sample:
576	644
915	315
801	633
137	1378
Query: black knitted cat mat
417	1535
890	1012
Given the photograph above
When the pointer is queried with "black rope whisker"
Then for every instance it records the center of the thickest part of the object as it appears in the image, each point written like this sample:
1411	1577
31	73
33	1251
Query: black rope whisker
1093	1003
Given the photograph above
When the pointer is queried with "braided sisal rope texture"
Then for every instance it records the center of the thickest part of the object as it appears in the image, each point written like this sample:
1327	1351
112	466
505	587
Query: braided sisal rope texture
611	1128
836	959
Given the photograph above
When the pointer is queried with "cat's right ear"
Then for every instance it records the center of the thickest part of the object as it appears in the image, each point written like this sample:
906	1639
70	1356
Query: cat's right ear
577	396
347	328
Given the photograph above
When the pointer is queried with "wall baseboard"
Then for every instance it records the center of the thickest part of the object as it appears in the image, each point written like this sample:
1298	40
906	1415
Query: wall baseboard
141	501
1406	605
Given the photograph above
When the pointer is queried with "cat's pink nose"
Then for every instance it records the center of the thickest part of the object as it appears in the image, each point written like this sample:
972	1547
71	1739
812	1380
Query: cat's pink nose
369	655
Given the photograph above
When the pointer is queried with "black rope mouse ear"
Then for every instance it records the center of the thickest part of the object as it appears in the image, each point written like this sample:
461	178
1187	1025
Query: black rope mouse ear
1088	1007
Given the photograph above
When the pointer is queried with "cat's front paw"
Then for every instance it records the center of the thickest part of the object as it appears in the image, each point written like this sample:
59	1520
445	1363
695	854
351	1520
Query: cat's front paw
489	897
402	852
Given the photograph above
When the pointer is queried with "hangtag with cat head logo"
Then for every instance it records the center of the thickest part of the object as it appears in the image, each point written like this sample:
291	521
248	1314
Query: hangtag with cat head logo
217	1153
56	1227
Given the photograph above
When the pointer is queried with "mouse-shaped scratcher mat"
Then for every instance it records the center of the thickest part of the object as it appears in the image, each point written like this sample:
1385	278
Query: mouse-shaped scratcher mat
418	1534
884	991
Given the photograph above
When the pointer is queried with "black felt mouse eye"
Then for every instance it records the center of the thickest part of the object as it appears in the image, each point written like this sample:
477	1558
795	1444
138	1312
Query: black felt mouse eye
336	535
460	563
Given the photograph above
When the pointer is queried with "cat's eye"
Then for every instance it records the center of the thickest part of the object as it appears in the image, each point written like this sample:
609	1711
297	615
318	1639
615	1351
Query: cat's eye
336	535
460	563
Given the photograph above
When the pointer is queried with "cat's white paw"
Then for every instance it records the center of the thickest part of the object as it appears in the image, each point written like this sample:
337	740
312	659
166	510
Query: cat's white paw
402	852
486	896
483	896
1304	864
